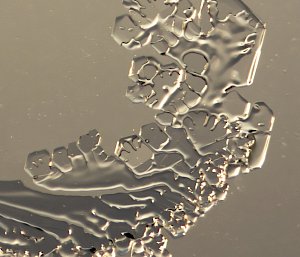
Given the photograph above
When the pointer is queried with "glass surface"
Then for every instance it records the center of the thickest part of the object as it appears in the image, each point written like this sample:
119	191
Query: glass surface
63	75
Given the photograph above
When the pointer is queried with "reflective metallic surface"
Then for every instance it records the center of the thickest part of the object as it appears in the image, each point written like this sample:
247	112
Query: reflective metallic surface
62	77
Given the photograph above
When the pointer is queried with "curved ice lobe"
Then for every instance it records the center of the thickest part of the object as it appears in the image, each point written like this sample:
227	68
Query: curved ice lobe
225	56
144	212
94	171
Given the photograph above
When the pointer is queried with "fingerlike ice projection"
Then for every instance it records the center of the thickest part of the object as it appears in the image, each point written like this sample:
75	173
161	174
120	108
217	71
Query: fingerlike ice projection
160	181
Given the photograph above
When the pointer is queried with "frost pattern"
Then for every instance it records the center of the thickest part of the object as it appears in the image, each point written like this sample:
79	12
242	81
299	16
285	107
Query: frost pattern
178	167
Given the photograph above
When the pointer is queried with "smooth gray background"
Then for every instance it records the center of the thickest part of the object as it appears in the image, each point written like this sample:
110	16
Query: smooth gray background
61	74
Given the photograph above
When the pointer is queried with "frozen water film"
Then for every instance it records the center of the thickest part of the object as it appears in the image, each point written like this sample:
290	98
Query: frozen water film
162	179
